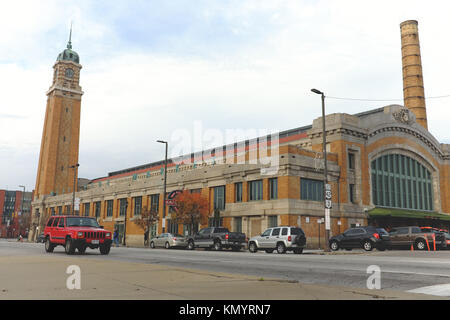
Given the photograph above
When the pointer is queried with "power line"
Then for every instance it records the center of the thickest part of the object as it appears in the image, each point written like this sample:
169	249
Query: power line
382	100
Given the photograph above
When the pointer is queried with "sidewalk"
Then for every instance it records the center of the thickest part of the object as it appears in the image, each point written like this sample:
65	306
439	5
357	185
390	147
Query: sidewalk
45	277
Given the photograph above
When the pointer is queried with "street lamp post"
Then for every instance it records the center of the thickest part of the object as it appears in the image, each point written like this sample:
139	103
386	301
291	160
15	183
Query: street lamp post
23	194
165	187
125	224
75	166
325	171
21	206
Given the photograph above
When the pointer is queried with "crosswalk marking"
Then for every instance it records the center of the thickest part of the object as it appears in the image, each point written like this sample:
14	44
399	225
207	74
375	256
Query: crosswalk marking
442	290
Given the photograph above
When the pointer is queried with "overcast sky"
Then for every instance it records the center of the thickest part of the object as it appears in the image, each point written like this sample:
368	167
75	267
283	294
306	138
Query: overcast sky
152	68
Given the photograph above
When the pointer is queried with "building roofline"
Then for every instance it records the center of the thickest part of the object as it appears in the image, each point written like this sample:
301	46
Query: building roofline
248	142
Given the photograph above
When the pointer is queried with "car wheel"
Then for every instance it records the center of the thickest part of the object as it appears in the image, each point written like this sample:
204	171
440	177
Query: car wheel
69	247
217	246
298	250
367	245
167	245
281	248
252	247
104	249
49	245
420	245
190	245
334	245
269	250
152	245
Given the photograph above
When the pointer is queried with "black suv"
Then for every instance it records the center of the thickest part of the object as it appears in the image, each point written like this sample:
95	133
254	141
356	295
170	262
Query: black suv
361	237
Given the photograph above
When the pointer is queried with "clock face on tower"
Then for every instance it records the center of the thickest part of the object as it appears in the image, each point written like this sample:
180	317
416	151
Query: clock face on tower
69	73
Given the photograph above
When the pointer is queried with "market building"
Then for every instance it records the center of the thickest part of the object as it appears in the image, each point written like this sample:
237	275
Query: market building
384	168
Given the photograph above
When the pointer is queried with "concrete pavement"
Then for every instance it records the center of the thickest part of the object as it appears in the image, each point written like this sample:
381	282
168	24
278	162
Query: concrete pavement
44	277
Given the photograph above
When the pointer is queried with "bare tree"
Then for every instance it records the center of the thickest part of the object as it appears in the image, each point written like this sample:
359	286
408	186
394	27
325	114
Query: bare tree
147	219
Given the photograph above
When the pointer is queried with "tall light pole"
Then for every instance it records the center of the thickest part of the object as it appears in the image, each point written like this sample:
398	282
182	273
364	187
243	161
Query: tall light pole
125	224
74	167
21	207
325	172
23	194
165	187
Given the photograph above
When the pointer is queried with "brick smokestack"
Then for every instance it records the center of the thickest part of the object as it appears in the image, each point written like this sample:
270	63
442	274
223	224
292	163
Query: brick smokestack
413	90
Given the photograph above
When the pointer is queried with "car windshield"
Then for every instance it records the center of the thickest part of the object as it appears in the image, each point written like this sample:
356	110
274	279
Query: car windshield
429	230
381	231
82	222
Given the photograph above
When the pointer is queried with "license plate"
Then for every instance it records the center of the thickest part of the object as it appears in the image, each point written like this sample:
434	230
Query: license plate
95	241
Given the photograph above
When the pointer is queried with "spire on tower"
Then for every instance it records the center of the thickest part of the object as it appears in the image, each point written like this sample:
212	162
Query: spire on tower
68	54
69	44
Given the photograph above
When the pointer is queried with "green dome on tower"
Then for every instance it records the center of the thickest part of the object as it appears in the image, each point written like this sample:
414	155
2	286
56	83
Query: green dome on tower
68	54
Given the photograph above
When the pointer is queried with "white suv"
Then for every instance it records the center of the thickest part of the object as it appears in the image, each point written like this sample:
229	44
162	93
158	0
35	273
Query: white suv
280	238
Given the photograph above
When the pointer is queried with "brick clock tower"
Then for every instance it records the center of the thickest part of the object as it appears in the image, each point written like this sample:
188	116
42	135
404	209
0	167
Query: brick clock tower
61	134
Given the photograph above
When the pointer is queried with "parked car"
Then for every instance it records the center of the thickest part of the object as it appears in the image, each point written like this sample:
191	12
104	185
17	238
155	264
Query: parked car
217	238
361	237
40	238
168	240
281	239
447	239
405	237
75	232
441	242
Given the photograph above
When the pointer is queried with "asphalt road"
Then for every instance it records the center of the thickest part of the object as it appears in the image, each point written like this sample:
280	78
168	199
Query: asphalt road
424	272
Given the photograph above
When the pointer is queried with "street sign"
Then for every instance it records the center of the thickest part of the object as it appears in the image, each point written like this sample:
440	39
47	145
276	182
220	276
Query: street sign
170	202
328	196
327	219
77	204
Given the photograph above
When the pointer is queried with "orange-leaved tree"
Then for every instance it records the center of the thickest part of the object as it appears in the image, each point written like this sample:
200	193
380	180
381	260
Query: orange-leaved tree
191	209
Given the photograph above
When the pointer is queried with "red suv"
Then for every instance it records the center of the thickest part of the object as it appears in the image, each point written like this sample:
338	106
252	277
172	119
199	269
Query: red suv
75	232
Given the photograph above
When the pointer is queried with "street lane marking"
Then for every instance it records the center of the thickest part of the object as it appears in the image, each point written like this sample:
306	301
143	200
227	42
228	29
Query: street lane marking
442	290
418	273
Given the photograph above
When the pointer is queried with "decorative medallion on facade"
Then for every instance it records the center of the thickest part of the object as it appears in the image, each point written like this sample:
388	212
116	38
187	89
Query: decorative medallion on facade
403	116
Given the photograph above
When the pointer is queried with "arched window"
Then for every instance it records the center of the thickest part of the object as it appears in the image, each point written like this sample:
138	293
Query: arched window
401	182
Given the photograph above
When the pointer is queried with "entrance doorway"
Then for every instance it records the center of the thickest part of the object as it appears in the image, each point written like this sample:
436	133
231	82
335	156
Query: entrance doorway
120	227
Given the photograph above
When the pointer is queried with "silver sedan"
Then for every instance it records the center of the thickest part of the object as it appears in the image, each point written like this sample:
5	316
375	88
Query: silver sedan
168	240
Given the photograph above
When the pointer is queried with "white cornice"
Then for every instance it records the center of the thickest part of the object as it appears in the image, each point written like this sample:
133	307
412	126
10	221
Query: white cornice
56	87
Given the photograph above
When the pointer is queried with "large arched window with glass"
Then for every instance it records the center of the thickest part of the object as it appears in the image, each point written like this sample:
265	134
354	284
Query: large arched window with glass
401	182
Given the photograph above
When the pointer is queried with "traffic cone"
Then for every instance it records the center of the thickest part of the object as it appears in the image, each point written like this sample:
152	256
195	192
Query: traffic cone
412	247
434	242
428	245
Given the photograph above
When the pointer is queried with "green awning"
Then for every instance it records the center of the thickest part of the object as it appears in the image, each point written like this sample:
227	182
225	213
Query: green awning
404	213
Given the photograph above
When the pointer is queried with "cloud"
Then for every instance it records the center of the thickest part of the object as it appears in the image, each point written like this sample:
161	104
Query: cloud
150	68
